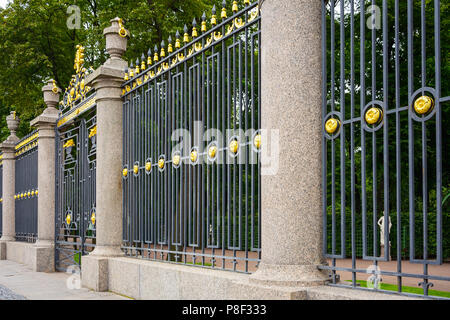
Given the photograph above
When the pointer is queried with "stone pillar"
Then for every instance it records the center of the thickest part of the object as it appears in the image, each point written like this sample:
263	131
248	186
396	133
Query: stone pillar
44	260
291	87
9	179
107	81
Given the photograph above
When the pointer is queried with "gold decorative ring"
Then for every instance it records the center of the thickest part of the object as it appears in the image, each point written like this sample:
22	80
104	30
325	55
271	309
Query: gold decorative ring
423	105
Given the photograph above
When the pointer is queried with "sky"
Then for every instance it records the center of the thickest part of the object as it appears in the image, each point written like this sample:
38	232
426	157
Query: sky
3	3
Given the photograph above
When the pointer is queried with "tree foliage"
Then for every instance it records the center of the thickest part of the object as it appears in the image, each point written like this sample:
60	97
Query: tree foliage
37	45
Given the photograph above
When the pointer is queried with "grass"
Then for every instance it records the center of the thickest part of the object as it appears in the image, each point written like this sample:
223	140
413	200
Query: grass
406	289
77	258
200	264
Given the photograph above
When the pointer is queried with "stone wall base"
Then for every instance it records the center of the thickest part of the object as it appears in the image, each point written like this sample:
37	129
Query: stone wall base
40	259
143	279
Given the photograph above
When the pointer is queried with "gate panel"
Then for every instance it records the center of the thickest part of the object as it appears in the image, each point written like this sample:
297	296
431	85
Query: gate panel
75	172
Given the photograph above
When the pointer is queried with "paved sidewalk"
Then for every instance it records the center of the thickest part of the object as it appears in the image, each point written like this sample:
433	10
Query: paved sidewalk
19	282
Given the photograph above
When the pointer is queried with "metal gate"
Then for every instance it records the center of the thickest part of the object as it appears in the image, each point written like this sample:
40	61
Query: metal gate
75	171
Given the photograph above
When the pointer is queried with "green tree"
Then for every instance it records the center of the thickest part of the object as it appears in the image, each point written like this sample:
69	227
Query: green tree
38	45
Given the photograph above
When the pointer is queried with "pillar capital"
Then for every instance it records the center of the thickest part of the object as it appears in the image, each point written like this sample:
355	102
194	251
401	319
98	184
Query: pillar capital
51	97
116	41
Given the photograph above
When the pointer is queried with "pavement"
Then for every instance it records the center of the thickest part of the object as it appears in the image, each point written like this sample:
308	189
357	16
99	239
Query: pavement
19	282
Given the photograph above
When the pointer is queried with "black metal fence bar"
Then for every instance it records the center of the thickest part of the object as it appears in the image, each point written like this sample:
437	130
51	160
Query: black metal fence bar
372	143
26	192
191	188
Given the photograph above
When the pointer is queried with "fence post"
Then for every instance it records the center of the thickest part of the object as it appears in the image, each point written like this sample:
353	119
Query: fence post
44	254
291	87
9	178
107	81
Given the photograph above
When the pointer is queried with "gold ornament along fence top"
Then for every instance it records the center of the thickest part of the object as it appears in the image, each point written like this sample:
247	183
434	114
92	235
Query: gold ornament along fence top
160	61
77	92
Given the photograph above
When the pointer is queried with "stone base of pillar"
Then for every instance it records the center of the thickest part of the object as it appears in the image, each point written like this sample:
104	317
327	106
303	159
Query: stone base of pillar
2	250
94	273
43	258
107	251
289	275
40	258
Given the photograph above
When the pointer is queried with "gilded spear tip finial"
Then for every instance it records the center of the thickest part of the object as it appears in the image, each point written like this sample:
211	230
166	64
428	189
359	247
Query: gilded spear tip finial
235	6
194	28
125	77
131	70
214	18
143	62
223	15
170	47
149	57
155	57
186	35
137	66
163	52
203	28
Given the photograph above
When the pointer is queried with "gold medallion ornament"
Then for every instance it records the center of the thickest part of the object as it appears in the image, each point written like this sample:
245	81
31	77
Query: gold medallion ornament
212	152
423	105
125	172
194	156
93	218
332	125
257	141
148	166
176	159
161	163
374	115
234	146
136	169
68	219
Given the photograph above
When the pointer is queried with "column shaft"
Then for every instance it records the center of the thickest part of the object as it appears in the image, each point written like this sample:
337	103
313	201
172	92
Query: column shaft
291	83
9	178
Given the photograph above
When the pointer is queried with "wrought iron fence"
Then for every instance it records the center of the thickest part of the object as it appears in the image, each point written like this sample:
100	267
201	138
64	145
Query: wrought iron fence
26	188
191	194
385	105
